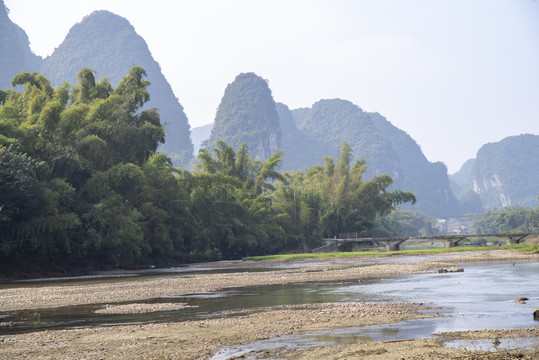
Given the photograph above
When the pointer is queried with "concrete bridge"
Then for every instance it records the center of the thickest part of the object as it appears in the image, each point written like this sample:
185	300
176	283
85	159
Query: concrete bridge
345	241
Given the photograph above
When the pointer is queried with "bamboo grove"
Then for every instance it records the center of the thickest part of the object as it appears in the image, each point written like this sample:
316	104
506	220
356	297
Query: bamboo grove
82	186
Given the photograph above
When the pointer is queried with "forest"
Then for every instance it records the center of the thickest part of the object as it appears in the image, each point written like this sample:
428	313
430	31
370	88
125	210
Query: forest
82	186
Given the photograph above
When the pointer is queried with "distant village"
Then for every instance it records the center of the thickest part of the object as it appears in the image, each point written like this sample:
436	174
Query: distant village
454	226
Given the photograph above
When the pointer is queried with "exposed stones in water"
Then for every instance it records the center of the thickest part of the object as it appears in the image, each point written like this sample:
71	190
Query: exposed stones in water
451	269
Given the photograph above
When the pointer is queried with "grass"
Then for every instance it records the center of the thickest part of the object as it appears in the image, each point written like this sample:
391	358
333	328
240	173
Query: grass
531	248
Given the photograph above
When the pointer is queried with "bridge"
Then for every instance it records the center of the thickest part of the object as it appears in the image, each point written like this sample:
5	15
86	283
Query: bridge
346	240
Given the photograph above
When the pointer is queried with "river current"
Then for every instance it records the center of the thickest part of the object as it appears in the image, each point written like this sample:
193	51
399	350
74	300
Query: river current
481	297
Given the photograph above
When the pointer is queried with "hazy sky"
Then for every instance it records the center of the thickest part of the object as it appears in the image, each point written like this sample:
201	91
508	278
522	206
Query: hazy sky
454	74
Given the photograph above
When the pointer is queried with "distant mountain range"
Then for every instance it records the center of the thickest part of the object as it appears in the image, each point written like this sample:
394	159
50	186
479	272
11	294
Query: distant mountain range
108	44
15	49
247	114
306	135
503	173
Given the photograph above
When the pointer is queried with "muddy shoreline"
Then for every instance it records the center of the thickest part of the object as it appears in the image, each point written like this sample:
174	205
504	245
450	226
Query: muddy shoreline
201	339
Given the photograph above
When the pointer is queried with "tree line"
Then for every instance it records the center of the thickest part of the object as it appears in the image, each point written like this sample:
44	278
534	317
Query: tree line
82	186
508	220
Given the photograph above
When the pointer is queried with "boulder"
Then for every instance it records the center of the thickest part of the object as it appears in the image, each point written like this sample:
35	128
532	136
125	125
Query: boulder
536	314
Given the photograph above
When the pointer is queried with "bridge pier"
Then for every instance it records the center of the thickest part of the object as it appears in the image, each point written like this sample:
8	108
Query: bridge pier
346	246
513	239
451	241
391	245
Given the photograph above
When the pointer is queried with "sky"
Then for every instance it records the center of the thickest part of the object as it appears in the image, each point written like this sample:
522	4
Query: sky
453	74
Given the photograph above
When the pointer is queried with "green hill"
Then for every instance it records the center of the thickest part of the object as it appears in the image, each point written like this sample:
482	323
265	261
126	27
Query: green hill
309	134
247	114
387	149
108	44
301	151
15	50
504	173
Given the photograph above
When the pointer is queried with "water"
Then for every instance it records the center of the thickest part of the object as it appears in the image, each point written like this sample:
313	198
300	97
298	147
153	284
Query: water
481	297
201	305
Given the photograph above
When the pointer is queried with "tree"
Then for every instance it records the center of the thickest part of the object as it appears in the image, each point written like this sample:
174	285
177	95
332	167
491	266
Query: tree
329	200
231	204
75	190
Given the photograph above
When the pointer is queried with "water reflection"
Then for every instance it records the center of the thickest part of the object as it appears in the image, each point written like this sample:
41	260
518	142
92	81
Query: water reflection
481	297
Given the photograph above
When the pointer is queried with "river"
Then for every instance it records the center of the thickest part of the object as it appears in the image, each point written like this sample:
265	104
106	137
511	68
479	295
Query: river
481	297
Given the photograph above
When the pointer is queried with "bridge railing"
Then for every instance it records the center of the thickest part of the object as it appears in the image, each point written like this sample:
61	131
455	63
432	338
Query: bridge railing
348	235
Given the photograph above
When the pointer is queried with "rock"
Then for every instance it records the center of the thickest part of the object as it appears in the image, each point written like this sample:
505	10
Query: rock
452	269
536	314
521	299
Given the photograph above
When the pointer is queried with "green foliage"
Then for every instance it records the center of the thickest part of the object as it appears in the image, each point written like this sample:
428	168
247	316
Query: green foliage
107	44
18	183
388	150
513	219
403	223
231	204
327	201
82	186
386	253
72	181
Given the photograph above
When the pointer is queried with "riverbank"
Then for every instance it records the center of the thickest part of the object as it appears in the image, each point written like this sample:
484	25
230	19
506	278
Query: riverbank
200	339
335	269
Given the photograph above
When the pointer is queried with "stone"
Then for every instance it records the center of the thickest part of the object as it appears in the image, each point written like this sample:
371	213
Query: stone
536	314
452	269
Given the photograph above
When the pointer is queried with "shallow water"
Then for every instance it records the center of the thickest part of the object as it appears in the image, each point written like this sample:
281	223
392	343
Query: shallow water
481	297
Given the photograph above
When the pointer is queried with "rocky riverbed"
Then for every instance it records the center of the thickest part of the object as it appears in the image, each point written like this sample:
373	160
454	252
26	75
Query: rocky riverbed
201	339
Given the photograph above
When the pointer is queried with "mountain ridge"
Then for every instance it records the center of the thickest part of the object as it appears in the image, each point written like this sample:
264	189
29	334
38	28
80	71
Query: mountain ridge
111	47
14	41
247	114
503	173
108	44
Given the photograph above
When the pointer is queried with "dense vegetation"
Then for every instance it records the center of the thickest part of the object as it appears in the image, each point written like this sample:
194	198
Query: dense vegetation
508	220
388	150
109	44
82	186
